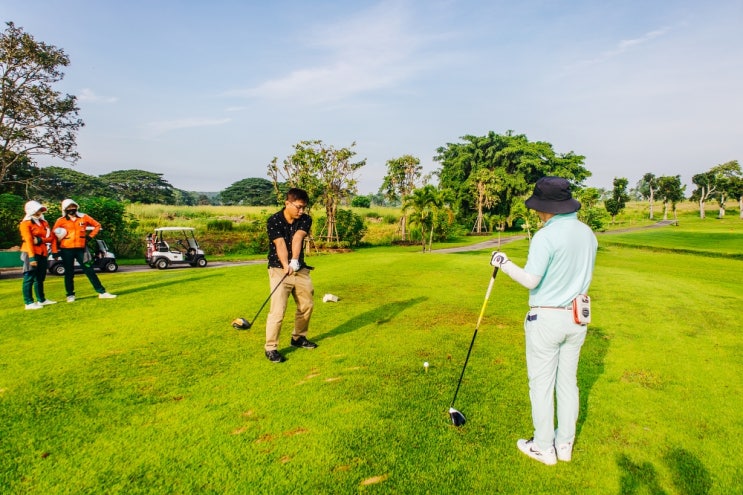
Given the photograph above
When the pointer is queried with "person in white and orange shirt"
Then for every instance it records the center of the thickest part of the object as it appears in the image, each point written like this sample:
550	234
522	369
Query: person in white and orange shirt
35	233
72	236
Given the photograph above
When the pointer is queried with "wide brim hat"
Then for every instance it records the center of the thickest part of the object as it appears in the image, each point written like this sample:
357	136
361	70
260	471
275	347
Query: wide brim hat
552	195
33	207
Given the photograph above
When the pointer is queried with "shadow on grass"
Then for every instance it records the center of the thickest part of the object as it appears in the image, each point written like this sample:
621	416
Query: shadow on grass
688	474
377	316
165	283
591	367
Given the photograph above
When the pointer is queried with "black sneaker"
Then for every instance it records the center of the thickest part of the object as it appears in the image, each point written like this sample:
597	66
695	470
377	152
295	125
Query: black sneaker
303	343
275	357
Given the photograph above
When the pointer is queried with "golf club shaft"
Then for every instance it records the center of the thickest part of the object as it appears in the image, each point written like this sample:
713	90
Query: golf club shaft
479	319
268	299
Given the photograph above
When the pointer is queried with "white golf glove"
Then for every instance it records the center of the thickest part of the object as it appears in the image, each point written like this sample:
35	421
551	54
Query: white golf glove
498	259
294	265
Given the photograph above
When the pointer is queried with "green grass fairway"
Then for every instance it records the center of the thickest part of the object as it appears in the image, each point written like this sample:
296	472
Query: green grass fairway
155	392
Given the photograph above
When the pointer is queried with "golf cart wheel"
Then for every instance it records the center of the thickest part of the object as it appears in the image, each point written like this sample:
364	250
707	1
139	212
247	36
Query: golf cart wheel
201	262
58	269
110	267
161	264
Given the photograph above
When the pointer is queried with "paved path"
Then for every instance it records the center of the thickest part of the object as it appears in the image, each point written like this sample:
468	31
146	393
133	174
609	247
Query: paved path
493	243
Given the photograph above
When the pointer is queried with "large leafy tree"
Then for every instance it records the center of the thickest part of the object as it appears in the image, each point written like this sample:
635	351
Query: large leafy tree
249	192
713	184
139	186
58	183
671	191
35	120
403	175
326	173
516	161
427	208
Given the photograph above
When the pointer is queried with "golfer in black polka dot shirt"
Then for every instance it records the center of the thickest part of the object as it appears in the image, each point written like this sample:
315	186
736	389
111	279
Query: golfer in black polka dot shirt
287	273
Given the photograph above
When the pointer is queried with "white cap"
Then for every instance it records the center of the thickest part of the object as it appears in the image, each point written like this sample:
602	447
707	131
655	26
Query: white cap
33	207
67	203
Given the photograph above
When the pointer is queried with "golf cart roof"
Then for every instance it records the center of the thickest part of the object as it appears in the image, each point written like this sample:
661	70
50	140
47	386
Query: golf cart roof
159	229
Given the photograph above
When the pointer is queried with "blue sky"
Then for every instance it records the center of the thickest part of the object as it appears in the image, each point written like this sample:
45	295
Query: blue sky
207	93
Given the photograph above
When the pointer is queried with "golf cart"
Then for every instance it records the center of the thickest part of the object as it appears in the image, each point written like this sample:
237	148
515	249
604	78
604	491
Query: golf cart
173	245
101	258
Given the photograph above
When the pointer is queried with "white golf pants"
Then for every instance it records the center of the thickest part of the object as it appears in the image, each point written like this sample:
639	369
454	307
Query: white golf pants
553	343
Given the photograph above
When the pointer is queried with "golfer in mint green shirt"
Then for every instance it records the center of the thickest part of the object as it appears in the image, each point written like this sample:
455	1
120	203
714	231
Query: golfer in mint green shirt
558	271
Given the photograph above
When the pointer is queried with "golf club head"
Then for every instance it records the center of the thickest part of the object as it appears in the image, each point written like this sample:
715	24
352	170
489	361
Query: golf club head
457	418
241	324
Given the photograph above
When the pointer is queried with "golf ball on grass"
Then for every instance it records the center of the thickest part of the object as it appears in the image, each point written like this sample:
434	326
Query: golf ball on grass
425	365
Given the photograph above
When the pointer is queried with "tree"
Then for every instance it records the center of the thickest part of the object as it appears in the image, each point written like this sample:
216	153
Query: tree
249	192
327	174
518	164
35	120
58	183
619	197
712	184
402	177
647	187
426	207
139	186
590	212
671	191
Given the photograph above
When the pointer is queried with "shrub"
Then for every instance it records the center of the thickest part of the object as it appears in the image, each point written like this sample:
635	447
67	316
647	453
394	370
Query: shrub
219	225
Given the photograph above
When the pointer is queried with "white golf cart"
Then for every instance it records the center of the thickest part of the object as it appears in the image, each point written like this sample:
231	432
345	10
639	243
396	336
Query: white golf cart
101	258
173	245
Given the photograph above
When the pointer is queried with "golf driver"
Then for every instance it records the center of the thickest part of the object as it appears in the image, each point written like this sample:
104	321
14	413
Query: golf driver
242	323
457	418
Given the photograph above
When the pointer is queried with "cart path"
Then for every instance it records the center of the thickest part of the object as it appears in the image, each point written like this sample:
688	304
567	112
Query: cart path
494	243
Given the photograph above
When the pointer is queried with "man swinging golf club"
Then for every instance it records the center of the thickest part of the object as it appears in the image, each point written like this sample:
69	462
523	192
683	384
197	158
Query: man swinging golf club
288	273
558	271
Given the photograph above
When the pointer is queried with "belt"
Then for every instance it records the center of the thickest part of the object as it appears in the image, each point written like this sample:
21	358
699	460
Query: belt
552	307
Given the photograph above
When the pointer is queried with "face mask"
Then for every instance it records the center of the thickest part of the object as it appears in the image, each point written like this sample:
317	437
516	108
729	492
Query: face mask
71	212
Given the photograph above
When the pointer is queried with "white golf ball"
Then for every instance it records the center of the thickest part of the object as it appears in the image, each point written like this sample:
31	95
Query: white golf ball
425	365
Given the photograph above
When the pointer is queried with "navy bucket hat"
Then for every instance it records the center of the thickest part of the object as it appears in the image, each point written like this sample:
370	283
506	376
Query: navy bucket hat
552	195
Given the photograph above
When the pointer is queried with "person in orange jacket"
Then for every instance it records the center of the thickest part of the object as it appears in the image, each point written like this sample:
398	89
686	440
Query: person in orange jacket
72	236
35	233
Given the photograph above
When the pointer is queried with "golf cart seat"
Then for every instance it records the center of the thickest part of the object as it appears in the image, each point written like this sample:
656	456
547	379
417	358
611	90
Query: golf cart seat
163	247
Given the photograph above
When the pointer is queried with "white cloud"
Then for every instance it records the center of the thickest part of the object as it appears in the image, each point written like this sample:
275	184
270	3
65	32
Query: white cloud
87	94
373	50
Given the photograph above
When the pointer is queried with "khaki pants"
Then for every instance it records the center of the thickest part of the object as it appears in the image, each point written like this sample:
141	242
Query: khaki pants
299	285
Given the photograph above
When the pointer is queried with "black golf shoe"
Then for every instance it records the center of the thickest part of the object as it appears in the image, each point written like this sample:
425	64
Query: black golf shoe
303	343
275	357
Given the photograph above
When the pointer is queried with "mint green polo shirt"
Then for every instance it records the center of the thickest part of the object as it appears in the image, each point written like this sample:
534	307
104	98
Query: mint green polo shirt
562	253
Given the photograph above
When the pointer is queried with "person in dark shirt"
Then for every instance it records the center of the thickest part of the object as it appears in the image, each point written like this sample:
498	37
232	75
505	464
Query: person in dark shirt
288	274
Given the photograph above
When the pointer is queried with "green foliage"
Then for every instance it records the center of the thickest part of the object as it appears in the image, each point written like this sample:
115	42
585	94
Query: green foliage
139	186
249	192
220	225
11	214
361	202
351	228
512	164
58	183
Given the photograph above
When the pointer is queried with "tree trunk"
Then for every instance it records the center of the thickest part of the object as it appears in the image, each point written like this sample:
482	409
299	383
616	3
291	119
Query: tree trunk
740	207
651	203
665	210
701	208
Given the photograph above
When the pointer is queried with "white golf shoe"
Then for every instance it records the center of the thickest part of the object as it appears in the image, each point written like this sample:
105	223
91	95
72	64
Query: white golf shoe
546	456
106	295
564	451
34	305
